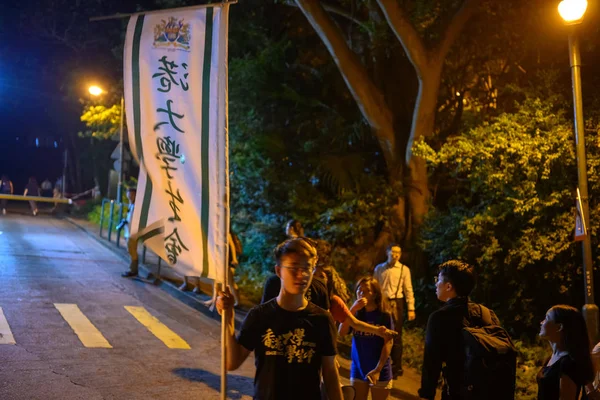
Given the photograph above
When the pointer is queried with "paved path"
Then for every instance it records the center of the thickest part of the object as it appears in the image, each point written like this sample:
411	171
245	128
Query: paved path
72	328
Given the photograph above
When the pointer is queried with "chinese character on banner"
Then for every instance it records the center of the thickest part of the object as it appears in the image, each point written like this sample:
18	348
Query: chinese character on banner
173	203
174	246
171	114
580	228
168	152
167	75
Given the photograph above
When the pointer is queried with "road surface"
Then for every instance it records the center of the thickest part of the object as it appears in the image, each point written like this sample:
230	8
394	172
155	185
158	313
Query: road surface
72	328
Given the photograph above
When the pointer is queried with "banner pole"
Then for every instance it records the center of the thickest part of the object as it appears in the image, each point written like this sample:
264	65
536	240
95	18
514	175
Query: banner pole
223	80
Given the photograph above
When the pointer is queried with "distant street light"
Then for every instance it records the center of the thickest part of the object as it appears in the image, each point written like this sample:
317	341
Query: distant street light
572	12
97	91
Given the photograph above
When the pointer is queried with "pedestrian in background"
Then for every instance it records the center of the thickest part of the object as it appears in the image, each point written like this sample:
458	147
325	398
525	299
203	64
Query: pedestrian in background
371	369
396	285
32	189
131	242
569	368
124	223
46	187
6	187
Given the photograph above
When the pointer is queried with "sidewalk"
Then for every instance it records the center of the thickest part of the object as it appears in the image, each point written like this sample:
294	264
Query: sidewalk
405	388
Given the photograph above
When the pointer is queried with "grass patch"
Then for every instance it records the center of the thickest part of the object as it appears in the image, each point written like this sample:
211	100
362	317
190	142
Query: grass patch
93	213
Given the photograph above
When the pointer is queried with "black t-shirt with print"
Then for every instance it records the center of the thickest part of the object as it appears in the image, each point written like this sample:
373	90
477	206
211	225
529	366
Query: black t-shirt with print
316	293
288	346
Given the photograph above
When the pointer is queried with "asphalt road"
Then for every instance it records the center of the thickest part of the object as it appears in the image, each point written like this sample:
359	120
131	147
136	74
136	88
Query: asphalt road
66	332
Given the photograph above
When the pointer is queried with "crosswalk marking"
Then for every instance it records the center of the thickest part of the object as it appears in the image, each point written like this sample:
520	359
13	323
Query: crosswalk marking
81	325
161	331
6	336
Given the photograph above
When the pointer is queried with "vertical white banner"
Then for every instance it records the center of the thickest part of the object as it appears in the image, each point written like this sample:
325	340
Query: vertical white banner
176	106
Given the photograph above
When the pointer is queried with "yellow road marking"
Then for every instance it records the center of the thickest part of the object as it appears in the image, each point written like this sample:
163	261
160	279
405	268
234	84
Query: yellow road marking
6	336
158	329
89	335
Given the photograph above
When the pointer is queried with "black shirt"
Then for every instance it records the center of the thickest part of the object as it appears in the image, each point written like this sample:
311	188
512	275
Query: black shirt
288	346
32	189
548	378
443	344
316	293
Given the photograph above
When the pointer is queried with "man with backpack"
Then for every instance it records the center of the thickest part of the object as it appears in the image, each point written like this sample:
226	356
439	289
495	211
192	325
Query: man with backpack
478	356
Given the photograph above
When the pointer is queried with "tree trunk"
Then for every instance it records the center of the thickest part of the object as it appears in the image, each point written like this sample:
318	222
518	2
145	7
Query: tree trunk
368	258
417	187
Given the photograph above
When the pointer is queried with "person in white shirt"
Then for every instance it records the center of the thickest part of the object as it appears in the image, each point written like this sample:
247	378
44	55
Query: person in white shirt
396	286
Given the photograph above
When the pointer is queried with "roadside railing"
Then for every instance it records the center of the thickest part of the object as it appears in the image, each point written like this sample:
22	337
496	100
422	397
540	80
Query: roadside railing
111	218
111	221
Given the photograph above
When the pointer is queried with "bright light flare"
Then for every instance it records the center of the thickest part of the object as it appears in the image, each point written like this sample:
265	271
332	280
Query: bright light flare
95	90
572	11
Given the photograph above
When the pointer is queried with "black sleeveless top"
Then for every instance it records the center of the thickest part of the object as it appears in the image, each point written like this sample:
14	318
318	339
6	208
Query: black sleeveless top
548	378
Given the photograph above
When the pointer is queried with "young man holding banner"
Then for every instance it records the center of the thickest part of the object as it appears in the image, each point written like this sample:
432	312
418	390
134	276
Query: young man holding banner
293	340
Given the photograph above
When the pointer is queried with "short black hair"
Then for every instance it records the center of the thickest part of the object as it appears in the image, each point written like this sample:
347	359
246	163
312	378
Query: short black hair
460	274
298	245
393	245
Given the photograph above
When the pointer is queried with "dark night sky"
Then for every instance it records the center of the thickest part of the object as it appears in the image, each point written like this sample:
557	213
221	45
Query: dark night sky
42	79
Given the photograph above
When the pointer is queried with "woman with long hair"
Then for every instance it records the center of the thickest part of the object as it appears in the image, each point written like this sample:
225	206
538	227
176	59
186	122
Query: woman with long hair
371	368
569	368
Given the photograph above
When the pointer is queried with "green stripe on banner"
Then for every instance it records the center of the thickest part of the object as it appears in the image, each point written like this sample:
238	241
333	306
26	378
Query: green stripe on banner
135	80
151	234
146	203
135	72
204	216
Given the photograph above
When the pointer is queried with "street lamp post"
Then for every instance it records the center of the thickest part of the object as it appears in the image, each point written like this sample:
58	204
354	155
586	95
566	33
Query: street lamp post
121	152
97	91
572	12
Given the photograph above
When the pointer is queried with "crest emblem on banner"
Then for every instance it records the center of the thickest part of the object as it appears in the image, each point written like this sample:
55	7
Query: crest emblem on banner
172	33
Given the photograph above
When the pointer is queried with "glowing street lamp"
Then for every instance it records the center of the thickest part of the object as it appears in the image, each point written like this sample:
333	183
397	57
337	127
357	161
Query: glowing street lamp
95	90
572	11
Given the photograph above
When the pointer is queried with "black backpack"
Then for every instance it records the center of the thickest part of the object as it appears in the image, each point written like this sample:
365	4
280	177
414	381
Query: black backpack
490	369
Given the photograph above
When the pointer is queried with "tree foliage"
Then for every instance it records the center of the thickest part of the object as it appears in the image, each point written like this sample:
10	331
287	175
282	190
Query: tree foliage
509	209
102	122
299	149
